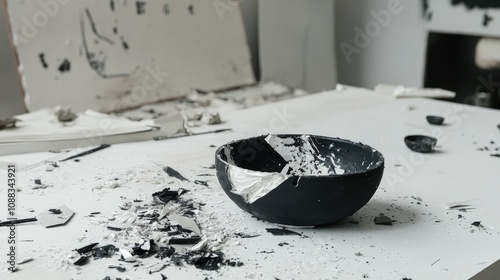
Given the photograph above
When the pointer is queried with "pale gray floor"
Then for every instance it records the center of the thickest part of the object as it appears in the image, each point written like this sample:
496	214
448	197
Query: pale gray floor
11	101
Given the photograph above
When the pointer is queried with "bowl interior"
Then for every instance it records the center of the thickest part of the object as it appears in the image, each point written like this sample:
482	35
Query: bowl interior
301	155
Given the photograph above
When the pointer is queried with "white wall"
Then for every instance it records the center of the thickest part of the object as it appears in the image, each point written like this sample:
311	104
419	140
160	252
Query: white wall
10	87
395	55
297	43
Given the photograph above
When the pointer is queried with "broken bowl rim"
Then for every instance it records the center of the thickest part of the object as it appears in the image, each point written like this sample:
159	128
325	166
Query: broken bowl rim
377	165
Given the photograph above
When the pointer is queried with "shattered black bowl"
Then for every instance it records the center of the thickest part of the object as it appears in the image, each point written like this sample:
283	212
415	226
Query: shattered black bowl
421	143
435	120
299	180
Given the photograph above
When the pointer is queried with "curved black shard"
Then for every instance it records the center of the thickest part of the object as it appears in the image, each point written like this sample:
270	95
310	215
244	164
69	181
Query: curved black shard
435	120
421	143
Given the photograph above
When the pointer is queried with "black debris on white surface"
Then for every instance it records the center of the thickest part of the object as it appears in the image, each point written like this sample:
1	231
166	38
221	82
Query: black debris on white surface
174	173
383	220
282	232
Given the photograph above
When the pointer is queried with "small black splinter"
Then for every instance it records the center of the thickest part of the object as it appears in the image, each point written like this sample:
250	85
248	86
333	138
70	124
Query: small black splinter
281	231
87	248
101	147
82	261
383	220
477	224
174	173
200	182
55	211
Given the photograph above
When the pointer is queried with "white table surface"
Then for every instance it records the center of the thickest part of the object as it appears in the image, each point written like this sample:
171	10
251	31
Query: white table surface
422	234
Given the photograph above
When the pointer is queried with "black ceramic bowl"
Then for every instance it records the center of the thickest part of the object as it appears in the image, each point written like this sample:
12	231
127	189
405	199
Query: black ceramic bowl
299	180
421	143
435	120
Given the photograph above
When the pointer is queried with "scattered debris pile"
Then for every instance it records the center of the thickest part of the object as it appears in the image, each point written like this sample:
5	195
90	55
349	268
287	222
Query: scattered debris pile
155	235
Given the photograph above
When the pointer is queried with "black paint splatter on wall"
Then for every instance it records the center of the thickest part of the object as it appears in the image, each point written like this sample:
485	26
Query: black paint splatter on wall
97	59
191	9
42	60
125	44
486	19
426	11
112	5
141	7
65	66
477	4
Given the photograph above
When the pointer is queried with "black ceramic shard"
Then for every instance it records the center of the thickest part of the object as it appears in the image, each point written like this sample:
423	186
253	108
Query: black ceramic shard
187	240
104	251
209	261
117	267
83	260
177	259
144	250
200	182
165	252
174	173
477	224
282	231
87	248
421	143
383	220
167	195
302	200
435	120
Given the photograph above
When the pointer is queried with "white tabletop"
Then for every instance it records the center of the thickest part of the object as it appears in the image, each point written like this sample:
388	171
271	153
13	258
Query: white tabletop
427	240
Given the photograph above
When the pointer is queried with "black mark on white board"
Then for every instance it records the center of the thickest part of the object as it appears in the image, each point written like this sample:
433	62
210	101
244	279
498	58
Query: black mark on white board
97	59
141	7
65	66
486	19
94	29
42	60
125	44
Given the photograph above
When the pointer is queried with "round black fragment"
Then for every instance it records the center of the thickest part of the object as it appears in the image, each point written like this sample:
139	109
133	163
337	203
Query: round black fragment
435	120
421	143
